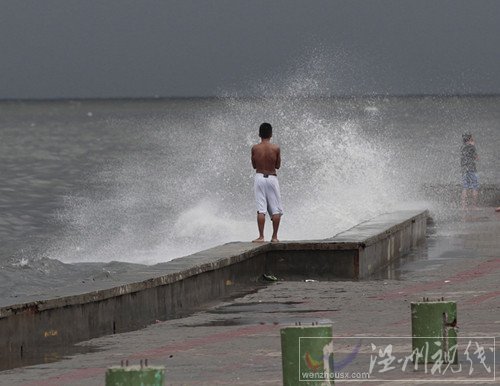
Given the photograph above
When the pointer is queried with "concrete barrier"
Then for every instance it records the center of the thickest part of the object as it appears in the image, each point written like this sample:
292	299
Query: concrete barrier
29	330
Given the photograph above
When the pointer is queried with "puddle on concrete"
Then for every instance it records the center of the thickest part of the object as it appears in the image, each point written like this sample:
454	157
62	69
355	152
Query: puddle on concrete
402	265
44	355
221	323
420	259
261	320
255	307
458	238
261	313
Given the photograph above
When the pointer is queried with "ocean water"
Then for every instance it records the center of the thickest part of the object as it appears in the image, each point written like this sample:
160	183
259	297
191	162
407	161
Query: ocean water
144	181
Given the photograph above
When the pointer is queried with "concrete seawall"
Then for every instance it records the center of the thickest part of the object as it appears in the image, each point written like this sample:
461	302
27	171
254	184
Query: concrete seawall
27	330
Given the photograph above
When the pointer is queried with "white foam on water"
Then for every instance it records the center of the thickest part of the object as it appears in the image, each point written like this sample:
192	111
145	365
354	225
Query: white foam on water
371	109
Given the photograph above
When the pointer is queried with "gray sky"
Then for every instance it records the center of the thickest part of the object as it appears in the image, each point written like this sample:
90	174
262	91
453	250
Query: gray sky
143	48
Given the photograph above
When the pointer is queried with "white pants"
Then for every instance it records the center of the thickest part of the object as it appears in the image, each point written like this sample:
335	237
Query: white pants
267	194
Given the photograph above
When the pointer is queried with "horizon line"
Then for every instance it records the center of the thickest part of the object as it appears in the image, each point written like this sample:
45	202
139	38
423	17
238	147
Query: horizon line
273	96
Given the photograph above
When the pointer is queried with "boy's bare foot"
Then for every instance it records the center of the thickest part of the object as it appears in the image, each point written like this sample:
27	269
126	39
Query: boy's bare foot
275	241
259	240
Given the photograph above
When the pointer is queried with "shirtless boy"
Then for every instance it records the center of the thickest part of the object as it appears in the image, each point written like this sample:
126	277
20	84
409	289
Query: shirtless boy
266	159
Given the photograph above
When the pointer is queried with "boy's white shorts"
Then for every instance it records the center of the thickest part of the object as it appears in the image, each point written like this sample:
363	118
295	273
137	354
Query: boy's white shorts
267	194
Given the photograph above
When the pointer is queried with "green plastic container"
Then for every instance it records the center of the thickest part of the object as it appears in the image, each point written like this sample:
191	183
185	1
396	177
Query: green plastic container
307	355
434	333
135	376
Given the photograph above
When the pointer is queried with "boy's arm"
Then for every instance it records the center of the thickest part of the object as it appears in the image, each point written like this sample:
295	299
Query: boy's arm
253	159
278	158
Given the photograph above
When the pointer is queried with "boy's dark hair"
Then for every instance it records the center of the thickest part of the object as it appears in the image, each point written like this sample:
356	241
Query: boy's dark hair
466	137
265	130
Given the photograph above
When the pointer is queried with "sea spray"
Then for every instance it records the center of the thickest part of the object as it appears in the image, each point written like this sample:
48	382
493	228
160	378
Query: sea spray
192	188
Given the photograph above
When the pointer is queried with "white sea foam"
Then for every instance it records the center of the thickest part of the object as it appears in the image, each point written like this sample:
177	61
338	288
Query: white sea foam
371	109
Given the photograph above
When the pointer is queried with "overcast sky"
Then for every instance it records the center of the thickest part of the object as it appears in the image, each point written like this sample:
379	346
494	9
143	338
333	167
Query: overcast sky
145	48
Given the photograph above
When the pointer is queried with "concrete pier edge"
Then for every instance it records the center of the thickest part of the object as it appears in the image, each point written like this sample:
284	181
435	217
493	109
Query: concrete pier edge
191	281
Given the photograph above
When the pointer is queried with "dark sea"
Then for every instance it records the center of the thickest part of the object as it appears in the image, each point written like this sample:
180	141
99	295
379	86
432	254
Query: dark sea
89	188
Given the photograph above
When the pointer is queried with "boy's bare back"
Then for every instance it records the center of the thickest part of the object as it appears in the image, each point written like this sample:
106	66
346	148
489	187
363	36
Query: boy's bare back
266	157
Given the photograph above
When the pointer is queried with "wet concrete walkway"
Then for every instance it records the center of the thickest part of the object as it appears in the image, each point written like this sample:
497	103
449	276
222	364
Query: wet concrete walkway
237	342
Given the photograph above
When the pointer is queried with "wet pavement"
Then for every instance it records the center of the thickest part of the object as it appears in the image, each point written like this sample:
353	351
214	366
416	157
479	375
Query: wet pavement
237	341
